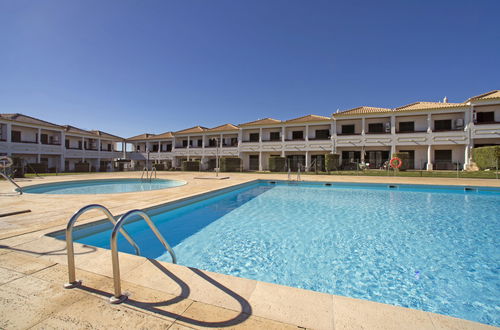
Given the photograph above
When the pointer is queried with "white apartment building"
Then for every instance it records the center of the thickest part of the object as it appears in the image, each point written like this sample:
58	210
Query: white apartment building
58	147
437	135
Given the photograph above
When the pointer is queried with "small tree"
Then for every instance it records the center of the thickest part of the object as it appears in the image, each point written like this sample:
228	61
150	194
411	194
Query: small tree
277	164
332	162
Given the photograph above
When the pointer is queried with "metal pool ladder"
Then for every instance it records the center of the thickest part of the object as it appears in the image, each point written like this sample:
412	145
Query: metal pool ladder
118	297
73	282
6	177
149	175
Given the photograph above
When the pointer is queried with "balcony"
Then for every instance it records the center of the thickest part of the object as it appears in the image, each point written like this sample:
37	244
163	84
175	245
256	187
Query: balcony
411	131
344	134
26	142
448	130
487	123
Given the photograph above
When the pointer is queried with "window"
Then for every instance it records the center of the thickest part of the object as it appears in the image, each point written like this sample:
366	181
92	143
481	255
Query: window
274	136
199	143
442	125
376	128
66	143
80	144
322	134
85	145
234	141
297	135
16	136
184	143
44	138
485	117
347	129
155	148
109	146
254	137
169	147
406	126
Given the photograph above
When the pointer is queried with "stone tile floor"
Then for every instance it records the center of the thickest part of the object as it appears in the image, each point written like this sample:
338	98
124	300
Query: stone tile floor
162	295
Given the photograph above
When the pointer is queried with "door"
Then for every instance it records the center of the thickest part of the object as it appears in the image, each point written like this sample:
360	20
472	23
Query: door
317	161
411	159
294	161
442	160
254	162
350	159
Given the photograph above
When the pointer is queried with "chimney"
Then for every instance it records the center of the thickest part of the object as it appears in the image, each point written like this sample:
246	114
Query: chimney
445	100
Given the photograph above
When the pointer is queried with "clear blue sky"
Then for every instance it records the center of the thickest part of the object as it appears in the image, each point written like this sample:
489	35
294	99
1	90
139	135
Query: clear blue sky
128	67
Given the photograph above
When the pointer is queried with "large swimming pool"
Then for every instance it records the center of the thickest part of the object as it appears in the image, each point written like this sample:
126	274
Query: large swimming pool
431	248
106	186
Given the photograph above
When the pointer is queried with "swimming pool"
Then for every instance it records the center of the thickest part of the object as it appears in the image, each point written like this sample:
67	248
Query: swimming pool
107	186
433	248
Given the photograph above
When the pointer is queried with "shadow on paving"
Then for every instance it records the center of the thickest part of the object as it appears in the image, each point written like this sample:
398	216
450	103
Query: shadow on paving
245	313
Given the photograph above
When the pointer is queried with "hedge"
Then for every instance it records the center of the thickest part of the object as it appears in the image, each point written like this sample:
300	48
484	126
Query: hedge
405	158
277	164
332	162
230	164
82	167
193	165
38	167
486	157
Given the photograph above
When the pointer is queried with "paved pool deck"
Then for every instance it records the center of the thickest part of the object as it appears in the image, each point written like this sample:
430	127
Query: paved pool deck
33	269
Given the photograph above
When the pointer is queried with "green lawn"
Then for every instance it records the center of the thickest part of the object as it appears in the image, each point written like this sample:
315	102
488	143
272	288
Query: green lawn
426	174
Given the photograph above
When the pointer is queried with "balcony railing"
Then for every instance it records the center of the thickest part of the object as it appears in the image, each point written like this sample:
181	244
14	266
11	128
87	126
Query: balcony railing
320	138
27	142
250	141
273	140
377	133
295	139
411	131
74	148
487	123
348	133
448	130
52	143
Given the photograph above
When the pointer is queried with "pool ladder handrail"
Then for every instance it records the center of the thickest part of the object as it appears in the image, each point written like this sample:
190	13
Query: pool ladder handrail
73	282
118	297
6	177
149	174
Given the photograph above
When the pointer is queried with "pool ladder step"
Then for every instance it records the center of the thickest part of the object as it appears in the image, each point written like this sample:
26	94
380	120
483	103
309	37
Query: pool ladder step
118	297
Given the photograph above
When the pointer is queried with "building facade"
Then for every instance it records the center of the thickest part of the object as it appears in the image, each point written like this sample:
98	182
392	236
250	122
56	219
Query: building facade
57	147
436	135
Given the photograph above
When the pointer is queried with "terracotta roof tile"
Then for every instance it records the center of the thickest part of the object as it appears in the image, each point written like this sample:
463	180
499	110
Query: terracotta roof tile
141	137
418	106
106	135
486	96
28	120
262	122
361	111
195	129
308	118
223	128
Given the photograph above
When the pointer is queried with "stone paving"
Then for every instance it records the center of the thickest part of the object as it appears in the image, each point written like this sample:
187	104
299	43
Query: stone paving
33	269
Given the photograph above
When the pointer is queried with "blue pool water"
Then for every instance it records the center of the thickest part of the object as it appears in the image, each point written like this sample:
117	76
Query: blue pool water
108	186
435	248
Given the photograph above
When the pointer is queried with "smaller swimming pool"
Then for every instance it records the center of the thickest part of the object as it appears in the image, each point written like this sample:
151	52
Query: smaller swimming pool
107	186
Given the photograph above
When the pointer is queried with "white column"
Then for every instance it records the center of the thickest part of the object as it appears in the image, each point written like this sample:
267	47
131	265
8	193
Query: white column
467	157
187	147
124	149
333	136
63	152
260	159
307	160
307	133
159	147
362	154
363	126
9	132
429	157
393	125
429	123
283	132
260	135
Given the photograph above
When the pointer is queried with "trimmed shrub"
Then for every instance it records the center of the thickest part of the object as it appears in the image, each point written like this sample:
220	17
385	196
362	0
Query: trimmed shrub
38	167
405	158
230	164
332	162
159	167
486	157
277	164
82	167
192	165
